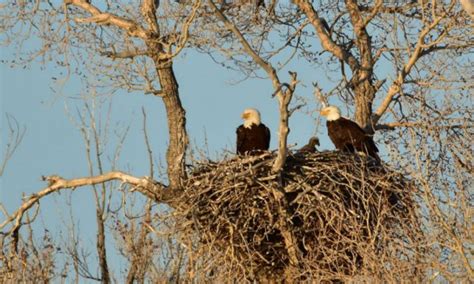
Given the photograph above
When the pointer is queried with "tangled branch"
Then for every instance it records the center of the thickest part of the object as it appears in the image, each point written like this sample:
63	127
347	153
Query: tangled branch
333	218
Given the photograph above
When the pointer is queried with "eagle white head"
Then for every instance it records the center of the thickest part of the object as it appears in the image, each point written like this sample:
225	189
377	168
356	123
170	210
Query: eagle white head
251	116
331	112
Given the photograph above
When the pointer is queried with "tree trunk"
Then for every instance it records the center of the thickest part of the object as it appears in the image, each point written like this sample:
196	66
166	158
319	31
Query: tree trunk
364	96
104	268
363	71
176	115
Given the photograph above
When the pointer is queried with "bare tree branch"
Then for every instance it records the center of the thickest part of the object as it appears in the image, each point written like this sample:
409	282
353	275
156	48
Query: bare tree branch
132	28
326	42
421	124
15	136
319	95
402	74
284	97
146	186
248	49
184	35
147	143
362	41
403	9
160	50
149	12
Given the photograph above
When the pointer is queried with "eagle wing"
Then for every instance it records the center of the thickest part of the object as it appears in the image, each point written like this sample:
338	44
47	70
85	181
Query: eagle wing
349	136
241	138
361	141
267	138
340	133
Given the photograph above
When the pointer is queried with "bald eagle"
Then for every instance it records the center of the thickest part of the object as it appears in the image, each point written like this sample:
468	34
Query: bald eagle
252	136
347	135
311	146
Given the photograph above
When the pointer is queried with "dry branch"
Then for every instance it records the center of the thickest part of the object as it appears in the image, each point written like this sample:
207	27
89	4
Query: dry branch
184	34
416	54
161	49
147	187
326	41
284	97
15	136
100	18
422	124
319	95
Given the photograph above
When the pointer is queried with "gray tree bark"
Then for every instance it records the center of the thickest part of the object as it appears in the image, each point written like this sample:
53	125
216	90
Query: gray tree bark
178	137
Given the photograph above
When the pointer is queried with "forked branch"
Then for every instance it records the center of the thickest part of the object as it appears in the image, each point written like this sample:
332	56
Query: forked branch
284	93
160	50
150	188
101	18
326	41
283	96
319	95
416	54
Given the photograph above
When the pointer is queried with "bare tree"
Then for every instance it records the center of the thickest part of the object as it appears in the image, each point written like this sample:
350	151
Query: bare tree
148	44
403	70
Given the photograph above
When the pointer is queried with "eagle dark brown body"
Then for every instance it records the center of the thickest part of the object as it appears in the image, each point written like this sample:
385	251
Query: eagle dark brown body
254	138
350	137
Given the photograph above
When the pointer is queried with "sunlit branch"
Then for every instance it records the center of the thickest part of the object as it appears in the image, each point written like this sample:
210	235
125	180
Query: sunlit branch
326	42
184	35
416	54
98	17
284	97
148	8
146	186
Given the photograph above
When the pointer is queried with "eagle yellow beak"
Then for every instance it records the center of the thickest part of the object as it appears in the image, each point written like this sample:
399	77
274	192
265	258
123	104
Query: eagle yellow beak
324	112
244	115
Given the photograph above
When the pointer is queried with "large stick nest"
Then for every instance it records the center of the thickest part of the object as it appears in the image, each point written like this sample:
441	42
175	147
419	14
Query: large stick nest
326	215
